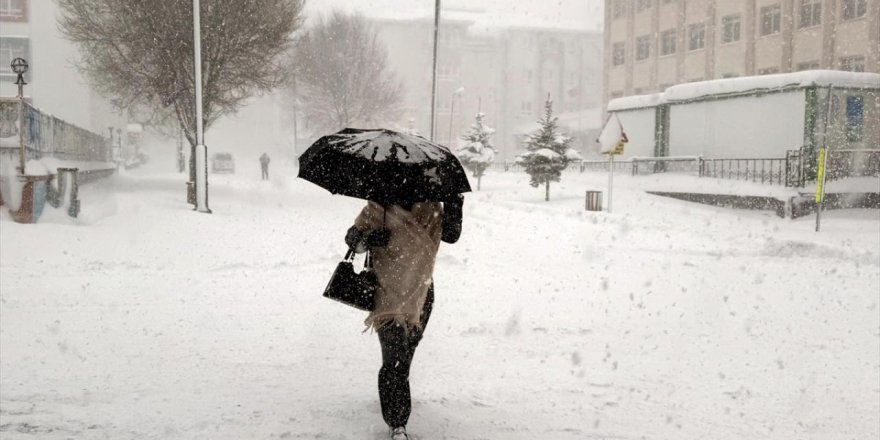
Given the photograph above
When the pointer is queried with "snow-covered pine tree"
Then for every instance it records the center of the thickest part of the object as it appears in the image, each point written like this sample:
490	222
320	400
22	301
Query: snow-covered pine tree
477	154
548	152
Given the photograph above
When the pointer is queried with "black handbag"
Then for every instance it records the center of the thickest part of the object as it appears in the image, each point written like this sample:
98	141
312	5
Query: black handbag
353	289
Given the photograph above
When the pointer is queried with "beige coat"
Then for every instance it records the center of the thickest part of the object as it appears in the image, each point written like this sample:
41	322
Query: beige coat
405	266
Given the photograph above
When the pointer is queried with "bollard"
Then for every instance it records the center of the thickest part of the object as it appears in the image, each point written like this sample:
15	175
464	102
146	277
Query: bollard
594	201
68	189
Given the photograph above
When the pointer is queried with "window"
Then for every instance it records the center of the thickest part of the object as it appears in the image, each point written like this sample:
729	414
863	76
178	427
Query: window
667	42
771	17
696	36
618	54
810	65
444	105
619	8
853	9
446	71
641	5
811	13
616	94
768	71
525	108
10	49
666	2
13	10
449	37
853	64
663	87
643	47
729	75
730	28
855	118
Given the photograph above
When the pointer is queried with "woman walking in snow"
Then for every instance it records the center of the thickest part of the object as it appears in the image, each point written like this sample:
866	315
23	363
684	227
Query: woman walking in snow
403	240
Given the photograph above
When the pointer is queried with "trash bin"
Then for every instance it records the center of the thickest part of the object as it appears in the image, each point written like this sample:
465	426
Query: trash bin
594	201
33	198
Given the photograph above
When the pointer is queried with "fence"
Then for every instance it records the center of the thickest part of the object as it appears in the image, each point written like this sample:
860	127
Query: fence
47	136
770	171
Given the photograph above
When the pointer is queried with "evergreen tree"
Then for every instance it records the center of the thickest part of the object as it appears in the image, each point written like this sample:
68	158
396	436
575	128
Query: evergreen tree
477	154
549	152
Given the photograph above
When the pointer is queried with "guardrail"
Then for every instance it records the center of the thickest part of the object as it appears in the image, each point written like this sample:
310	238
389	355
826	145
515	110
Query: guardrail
770	171
48	136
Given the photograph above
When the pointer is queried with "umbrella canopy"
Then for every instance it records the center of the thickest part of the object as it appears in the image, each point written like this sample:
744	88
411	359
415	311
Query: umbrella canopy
384	166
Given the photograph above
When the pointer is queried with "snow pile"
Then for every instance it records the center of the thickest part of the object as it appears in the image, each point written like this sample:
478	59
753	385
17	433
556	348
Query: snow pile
664	320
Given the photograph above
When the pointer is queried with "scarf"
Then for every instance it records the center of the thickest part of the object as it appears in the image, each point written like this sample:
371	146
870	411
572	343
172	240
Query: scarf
405	267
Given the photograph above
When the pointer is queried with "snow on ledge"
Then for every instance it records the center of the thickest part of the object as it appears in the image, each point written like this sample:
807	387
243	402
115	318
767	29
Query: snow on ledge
634	102
748	84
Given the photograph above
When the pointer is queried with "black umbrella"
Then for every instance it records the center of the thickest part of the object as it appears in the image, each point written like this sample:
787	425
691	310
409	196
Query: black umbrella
384	166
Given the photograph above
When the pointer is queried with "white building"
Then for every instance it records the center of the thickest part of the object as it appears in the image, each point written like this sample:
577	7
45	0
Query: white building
29	29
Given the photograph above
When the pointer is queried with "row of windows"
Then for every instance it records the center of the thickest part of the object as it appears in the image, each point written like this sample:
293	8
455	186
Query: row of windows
810	11
13	10
731	31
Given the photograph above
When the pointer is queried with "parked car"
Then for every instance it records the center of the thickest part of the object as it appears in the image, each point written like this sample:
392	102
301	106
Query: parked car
222	163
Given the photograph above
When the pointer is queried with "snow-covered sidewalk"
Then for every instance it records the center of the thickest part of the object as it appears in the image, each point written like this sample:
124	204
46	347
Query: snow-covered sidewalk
663	320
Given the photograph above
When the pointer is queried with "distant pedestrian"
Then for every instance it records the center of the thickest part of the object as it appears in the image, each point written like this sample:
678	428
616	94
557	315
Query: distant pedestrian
264	165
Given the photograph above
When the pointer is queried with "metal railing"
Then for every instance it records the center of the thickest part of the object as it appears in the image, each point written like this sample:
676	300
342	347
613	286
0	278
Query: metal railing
852	163
48	136
770	171
794	170
670	164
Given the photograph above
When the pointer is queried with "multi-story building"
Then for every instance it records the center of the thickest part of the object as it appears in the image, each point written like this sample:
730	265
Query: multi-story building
28	29
505	71
653	44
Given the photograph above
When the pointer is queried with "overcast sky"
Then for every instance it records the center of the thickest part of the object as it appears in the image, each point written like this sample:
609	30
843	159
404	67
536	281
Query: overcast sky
582	14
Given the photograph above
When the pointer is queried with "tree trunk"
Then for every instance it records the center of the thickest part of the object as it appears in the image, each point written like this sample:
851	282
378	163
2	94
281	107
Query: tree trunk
479	178
547	191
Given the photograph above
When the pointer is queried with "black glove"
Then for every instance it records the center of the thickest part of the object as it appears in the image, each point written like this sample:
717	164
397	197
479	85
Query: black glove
452	214
378	238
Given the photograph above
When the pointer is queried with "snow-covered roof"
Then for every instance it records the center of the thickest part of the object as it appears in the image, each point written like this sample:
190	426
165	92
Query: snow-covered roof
490	19
748	85
634	102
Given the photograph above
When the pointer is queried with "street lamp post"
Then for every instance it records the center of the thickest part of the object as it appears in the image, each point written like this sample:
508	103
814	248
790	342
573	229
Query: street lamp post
19	67
434	68
456	93
201	150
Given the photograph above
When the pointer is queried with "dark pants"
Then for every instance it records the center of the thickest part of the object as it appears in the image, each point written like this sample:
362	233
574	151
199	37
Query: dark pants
397	355
265	172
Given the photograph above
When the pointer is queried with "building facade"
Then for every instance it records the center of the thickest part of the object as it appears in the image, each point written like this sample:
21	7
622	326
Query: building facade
28	29
653	44
505	72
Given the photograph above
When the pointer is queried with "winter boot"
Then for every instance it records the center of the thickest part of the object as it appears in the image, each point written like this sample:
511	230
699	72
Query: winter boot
399	433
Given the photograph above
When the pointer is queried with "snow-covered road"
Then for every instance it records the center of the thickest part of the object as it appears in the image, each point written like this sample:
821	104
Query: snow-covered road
663	320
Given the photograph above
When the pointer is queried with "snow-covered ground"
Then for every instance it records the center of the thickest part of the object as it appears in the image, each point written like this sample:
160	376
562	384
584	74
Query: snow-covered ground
664	320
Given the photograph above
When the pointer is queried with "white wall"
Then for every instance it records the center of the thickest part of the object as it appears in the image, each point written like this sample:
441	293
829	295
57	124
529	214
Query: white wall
746	127
639	128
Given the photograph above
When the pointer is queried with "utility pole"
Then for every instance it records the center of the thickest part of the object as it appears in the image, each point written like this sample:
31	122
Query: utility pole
434	72
201	150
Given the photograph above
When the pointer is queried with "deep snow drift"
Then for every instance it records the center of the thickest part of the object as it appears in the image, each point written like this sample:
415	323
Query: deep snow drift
663	320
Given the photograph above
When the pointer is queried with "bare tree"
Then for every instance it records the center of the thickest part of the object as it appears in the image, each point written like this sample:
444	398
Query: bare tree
343	77
139	54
